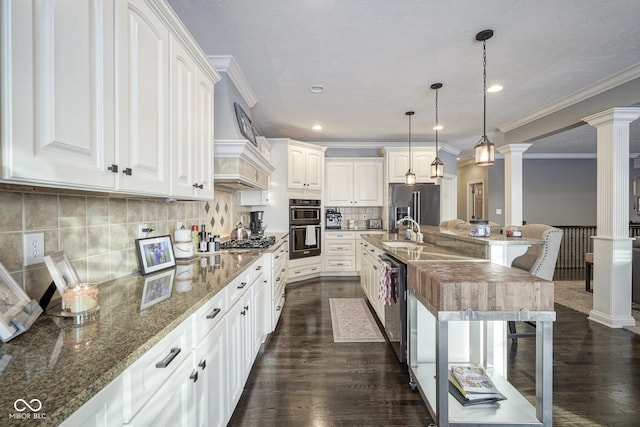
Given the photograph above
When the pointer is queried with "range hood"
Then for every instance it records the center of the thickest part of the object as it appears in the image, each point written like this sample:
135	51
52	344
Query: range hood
239	165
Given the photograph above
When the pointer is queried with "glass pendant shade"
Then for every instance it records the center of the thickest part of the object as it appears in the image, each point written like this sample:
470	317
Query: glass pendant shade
485	152
437	168
410	177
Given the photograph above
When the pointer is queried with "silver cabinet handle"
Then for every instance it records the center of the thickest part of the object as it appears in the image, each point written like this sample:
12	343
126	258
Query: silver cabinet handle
200	186
314	268
214	313
113	168
194	376
127	171
246	307
167	360
244	313
242	285
203	364
277	256
339	263
278	308
258	268
278	278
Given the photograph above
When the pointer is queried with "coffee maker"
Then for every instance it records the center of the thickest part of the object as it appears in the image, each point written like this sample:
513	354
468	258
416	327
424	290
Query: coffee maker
256	226
333	219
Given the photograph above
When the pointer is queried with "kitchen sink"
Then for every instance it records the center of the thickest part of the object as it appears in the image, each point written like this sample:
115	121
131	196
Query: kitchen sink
400	244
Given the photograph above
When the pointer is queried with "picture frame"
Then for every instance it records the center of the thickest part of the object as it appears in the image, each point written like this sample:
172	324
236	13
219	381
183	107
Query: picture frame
62	272
155	254
246	126
17	310
157	288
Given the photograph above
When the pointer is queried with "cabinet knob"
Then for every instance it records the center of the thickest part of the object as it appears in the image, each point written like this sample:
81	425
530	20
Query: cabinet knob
246	307
244	313
203	364
194	376
113	168
127	171
278	308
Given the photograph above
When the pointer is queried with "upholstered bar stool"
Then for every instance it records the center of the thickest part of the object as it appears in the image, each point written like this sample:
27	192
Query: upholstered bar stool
539	260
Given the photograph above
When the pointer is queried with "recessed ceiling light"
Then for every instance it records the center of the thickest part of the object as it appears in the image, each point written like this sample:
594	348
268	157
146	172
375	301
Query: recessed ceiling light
316	127
439	127
316	88
494	88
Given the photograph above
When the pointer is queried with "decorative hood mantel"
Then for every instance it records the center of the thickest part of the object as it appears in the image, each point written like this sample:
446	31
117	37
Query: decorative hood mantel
239	165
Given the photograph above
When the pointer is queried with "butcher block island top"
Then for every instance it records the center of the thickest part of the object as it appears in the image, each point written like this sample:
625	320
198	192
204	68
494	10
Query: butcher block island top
462	286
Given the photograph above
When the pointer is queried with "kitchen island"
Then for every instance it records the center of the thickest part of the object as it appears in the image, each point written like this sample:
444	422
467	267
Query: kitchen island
64	366
456	315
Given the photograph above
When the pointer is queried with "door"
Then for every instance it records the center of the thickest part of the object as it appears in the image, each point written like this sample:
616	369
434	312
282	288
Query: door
211	365
313	172
339	191
367	183
475	204
296	167
204	136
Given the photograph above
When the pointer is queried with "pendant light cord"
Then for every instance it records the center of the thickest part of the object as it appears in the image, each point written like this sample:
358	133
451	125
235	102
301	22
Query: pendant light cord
410	160
436	122
484	87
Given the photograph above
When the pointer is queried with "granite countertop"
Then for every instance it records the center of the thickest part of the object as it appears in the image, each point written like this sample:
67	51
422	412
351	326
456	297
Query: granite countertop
463	235
357	230
64	366
410	251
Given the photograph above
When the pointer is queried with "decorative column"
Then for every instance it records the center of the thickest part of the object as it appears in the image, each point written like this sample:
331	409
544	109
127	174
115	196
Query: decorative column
612	245
513	182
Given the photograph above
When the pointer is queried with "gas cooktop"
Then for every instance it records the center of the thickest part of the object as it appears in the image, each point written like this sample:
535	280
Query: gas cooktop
257	243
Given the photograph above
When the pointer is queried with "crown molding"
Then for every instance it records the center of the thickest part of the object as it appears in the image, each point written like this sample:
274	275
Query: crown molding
226	64
389	144
608	83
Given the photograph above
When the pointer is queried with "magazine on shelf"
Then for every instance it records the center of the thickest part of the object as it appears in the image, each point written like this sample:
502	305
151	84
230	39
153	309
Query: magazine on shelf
472	385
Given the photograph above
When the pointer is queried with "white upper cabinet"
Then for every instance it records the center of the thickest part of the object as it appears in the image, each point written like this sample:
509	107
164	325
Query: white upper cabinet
398	163
58	91
87	88
191	126
354	182
305	165
143	108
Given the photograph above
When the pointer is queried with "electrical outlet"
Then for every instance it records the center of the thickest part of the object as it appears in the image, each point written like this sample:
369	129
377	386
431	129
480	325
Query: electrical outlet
141	233
33	246
498	211
364	217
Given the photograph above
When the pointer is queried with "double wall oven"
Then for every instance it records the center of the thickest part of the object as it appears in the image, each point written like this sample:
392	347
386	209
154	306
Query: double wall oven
305	232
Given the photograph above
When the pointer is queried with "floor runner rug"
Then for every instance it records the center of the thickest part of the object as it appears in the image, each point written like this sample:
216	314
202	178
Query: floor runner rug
352	321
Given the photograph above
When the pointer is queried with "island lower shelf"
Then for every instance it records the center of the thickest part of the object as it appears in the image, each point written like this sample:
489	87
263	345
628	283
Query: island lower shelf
515	409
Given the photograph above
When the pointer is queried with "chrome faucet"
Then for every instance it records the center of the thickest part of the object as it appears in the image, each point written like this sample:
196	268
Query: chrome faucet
417	236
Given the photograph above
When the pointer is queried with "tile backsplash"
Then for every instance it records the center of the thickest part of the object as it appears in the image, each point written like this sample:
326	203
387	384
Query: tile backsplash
357	215
97	233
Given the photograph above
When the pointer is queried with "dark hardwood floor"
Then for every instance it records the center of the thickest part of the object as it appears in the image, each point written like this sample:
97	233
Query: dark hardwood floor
303	378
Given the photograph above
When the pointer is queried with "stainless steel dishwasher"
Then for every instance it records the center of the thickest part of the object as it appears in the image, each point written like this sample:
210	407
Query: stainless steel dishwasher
395	314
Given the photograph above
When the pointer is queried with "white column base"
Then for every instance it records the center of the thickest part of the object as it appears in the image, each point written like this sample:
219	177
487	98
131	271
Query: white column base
612	282
610	321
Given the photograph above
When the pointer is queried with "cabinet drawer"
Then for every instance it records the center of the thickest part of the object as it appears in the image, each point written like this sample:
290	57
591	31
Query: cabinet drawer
277	310
238	287
340	247
340	235
341	263
143	378
303	271
209	315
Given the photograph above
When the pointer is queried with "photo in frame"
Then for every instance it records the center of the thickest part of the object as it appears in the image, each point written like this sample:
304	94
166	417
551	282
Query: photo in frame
157	288
62	272
155	254
245	124
17	310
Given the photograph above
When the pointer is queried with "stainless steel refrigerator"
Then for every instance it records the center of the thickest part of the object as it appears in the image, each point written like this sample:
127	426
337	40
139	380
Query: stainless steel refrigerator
420	201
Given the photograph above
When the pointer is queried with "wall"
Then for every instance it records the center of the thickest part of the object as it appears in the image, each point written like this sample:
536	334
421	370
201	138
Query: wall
96	232
555	191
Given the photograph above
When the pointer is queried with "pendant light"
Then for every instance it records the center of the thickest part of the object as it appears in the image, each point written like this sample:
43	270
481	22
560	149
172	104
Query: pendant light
484	149
437	167
410	177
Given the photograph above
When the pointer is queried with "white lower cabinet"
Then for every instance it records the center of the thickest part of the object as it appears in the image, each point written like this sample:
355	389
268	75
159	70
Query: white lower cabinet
370	277
103	410
196	374
210	359
173	404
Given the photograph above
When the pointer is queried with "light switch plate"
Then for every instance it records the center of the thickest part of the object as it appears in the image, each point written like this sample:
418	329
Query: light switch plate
33	247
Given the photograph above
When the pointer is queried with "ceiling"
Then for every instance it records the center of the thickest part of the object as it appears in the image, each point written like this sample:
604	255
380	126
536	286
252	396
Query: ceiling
378	58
